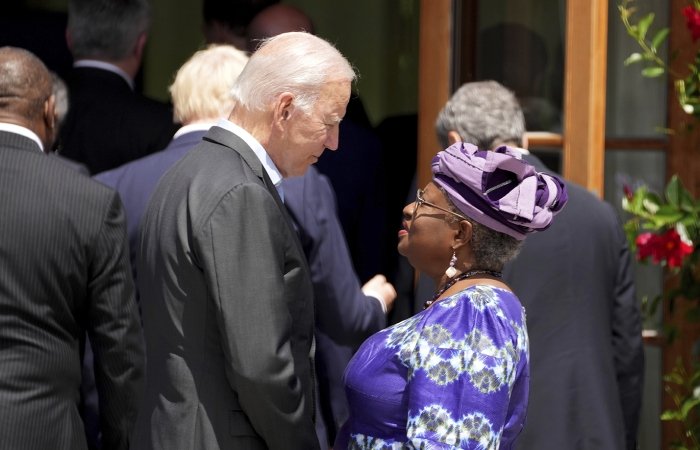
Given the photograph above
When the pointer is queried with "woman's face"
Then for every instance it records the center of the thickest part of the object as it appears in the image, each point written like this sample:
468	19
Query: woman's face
428	232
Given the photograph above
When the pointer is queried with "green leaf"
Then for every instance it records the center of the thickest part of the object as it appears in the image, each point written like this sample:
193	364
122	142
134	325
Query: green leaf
653	72
643	26
633	58
674	377
688	406
670	415
673	189
659	38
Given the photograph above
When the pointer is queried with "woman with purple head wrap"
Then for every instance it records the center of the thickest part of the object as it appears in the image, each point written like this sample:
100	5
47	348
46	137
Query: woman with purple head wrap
456	374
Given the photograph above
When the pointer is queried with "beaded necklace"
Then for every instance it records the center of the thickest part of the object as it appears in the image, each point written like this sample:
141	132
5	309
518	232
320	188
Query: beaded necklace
460	277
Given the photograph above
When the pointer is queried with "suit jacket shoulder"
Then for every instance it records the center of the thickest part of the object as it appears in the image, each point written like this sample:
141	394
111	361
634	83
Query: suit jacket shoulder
108	124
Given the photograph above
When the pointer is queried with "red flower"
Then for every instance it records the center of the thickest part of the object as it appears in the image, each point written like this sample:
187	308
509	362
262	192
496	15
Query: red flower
628	192
692	21
675	250
645	244
668	246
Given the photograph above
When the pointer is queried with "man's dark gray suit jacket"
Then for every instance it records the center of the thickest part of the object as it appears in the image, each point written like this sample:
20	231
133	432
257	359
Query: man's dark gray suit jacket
227	309
586	356
64	271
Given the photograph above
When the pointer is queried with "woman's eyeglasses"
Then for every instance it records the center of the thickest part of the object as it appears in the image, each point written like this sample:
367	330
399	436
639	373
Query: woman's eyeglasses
421	201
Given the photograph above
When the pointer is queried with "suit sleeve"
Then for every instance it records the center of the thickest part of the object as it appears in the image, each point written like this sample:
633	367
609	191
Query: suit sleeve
343	311
245	246
627	341
115	330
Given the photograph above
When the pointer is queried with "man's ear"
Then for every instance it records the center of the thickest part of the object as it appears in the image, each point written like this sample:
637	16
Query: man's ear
50	122
140	45
69	39
453	137
284	107
50	112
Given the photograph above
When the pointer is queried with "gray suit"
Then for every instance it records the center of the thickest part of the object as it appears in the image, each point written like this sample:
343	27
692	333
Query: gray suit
64	271
227	308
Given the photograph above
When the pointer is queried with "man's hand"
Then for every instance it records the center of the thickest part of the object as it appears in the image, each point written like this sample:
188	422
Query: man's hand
382	290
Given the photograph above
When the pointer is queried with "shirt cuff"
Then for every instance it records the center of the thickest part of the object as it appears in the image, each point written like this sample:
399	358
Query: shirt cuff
381	302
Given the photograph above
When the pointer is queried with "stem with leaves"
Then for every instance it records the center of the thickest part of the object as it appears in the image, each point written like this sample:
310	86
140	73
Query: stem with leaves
638	31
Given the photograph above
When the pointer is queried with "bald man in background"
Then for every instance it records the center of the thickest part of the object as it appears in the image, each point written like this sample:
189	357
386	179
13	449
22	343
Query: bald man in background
64	273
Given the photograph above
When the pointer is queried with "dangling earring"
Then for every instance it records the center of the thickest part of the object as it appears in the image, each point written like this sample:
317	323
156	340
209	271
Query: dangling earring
451	271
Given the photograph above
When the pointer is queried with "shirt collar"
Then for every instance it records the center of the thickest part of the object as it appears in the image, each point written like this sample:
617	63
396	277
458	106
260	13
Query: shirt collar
267	163
200	126
105	66
26	132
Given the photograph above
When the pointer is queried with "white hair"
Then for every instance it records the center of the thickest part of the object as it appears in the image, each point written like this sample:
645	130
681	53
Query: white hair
202	86
296	62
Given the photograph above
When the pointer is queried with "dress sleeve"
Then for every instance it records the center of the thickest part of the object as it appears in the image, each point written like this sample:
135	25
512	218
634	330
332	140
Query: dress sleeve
461	374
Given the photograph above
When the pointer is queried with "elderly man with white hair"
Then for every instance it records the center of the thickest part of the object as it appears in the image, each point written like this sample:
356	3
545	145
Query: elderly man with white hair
226	295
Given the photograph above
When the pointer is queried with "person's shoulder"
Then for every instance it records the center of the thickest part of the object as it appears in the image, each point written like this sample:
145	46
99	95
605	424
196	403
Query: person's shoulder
482	299
586	204
63	179
138	169
153	106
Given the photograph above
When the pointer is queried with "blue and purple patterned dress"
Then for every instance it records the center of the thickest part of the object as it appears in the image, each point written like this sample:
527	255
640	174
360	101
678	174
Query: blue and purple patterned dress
453	376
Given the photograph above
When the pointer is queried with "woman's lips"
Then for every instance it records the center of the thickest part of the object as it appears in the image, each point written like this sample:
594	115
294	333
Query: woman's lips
402	233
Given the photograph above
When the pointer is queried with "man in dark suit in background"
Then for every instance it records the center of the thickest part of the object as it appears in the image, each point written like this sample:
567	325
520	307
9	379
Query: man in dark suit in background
226	296
109	123
575	282
65	272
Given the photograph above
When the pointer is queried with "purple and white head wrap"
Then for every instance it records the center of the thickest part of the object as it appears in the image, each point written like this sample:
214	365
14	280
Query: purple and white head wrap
498	189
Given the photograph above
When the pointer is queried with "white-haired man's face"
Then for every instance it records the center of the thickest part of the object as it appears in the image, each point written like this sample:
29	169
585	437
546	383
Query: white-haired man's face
305	136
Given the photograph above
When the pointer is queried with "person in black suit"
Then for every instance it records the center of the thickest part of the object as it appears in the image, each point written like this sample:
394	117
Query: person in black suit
109	123
65	272
227	301
576	283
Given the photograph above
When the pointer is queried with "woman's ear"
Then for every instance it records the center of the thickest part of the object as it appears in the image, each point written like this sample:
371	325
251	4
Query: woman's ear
464	234
453	137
